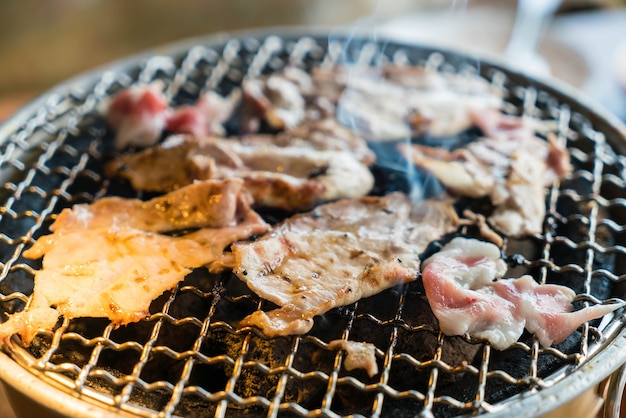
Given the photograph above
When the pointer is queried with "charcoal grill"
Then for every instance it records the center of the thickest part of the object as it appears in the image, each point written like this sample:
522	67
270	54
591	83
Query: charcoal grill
189	358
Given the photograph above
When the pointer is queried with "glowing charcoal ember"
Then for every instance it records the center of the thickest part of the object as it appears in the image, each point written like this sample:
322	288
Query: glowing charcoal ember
460	287
335	255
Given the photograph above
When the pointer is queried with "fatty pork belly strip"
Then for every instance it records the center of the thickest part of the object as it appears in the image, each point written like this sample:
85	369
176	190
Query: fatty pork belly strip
290	178
106	260
510	165
335	255
460	287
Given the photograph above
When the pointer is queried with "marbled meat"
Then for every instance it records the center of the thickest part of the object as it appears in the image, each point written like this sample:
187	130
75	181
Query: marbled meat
465	289
290	178
510	165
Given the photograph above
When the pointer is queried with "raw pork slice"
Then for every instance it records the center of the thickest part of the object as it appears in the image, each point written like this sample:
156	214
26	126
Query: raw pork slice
138	114
510	165
460	287
290	178
106	260
335	255
205	117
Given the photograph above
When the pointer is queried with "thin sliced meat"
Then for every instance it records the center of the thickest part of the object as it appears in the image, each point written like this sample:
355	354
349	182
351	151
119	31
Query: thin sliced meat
324	135
510	165
102	261
290	178
138	114
205	117
335	255
277	99
392	102
460	287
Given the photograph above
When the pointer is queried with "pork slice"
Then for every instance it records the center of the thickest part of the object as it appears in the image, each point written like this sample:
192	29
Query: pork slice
465	289
335	255
290	178
205	117
138	114
395	102
510	165
277	99
102	261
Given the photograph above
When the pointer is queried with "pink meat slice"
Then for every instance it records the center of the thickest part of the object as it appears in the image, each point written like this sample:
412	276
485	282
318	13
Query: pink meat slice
138	114
335	255
108	259
463	291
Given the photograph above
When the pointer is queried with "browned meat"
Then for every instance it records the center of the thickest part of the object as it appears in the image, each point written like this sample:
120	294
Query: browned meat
104	260
510	165
291	178
324	134
335	255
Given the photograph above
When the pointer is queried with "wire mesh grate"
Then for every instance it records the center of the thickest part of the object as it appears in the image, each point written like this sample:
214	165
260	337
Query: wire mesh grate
190	359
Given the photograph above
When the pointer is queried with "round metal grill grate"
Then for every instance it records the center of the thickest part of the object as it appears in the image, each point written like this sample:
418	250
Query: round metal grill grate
190	359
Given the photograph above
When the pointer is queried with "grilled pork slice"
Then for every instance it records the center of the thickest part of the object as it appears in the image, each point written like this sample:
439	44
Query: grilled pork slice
205	117
290	178
460	287
394	102
107	259
335	255
324	134
510	165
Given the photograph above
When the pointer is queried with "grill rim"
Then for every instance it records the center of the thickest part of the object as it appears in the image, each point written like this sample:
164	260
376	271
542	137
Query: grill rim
608	357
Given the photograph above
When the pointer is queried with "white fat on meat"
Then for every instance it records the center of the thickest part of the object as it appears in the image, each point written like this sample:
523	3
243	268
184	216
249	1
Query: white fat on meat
138	115
324	134
205	117
108	259
509	165
277	99
359	355
335	255
465	290
394	102
290	178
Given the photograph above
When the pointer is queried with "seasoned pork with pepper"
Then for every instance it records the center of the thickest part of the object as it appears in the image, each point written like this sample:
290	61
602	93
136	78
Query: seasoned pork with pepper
335	255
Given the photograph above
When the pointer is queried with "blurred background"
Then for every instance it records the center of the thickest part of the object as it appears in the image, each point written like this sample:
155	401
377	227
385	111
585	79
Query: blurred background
45	42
